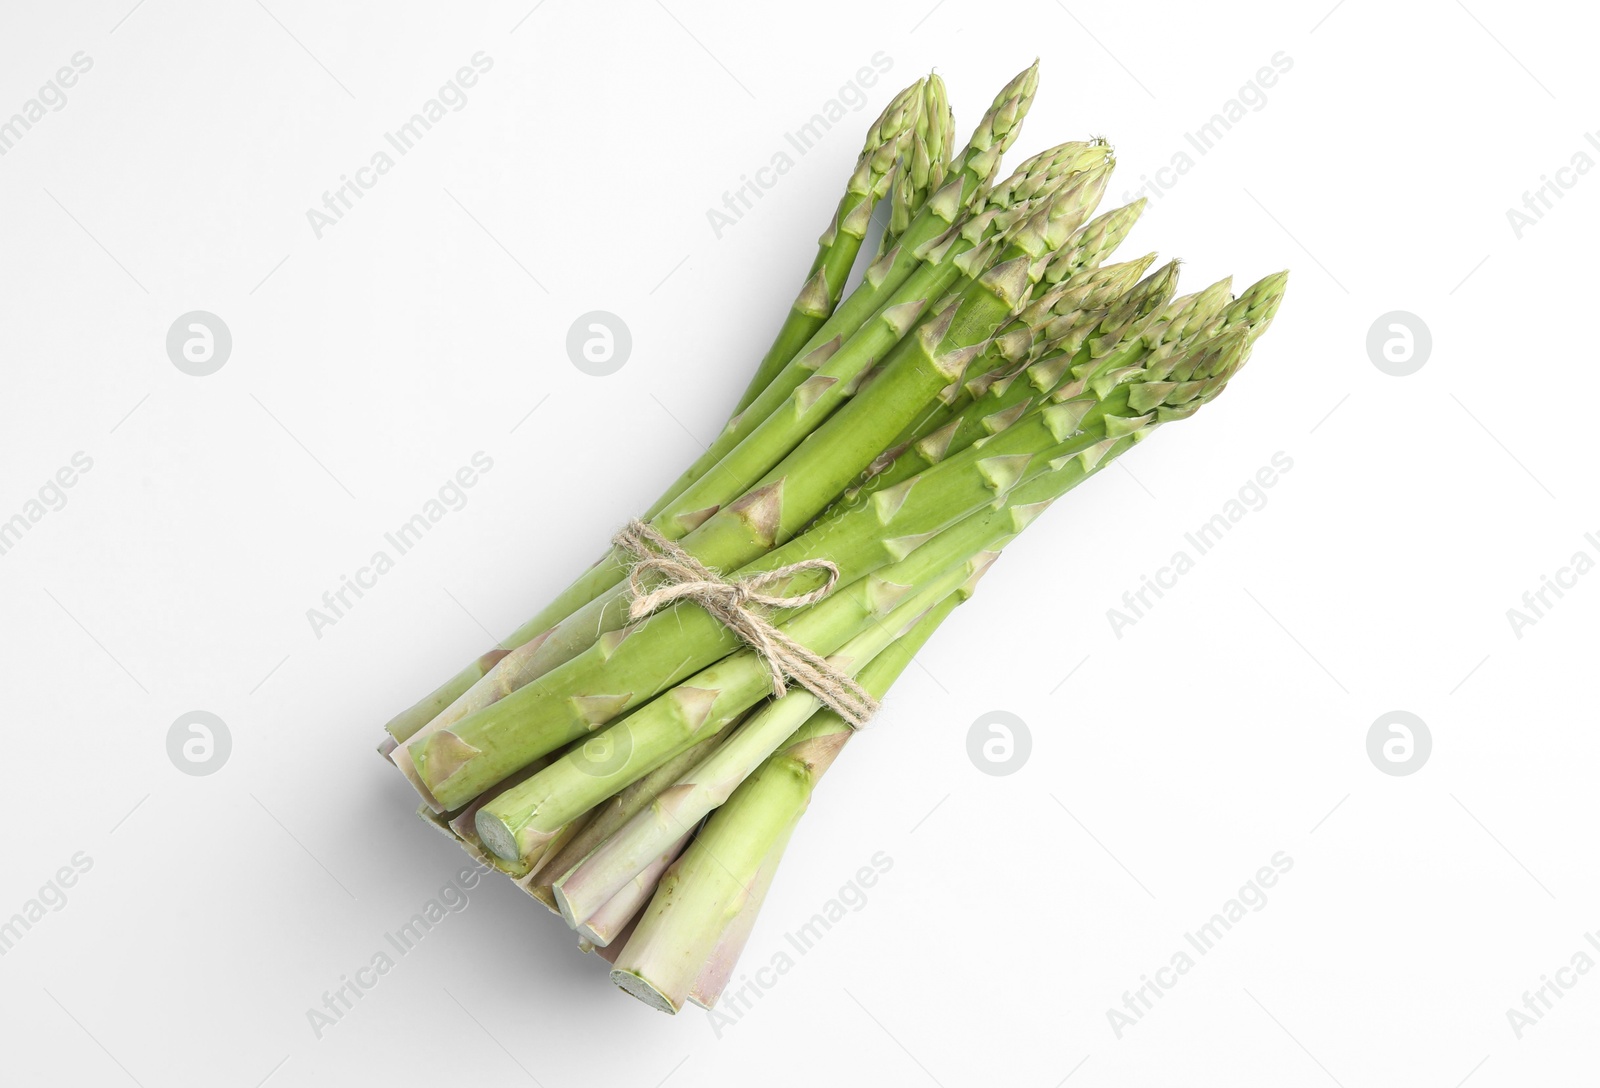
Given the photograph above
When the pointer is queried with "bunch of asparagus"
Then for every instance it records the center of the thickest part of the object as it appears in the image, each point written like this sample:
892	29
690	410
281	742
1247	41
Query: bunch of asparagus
640	775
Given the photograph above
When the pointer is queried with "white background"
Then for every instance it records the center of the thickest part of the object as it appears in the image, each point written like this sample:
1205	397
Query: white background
368	365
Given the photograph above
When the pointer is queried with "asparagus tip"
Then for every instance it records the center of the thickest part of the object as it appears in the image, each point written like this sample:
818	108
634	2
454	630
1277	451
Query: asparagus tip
1273	284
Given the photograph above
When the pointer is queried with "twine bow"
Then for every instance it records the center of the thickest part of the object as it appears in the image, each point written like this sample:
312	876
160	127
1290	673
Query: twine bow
736	605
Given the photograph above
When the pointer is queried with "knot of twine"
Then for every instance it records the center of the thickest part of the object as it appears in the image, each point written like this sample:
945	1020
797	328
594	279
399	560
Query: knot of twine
736	605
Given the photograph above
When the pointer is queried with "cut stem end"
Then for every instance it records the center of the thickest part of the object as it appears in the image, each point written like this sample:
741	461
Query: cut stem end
638	987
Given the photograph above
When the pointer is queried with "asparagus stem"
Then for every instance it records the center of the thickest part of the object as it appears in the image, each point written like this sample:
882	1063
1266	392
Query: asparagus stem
487	744
714	974
635	777
1087	422
1087	298
1065	193
677	808
796	489
686	928
617	810
988	292
700	899
824	730
888	140
974	166
916	367
610	918
461	824
678	931
404	725
968	180
1103	306
937	353
974	169
520	821
708	785
610	952
1084	423
800	402
1035	180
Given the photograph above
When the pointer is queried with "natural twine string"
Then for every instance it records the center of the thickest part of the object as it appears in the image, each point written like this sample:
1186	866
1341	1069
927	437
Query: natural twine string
730	603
